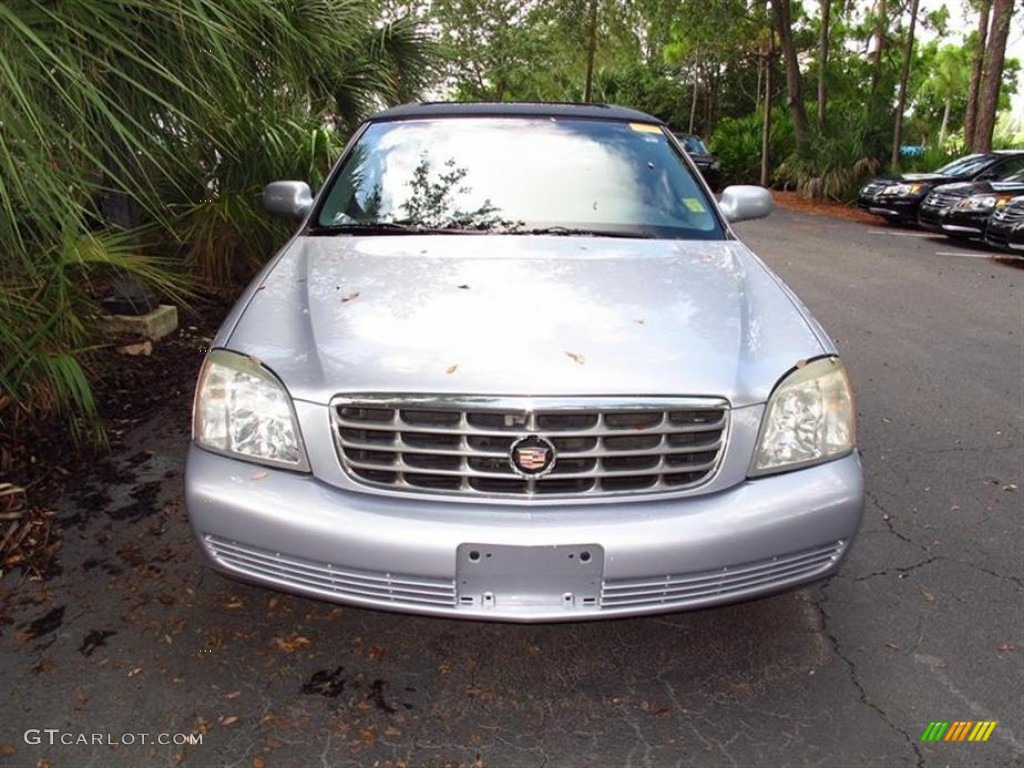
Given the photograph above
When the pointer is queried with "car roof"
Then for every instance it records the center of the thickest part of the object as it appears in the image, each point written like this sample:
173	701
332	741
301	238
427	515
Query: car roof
513	109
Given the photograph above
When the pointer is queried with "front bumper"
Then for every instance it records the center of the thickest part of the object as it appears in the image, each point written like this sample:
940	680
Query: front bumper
958	223
896	208
930	217
1005	237
564	562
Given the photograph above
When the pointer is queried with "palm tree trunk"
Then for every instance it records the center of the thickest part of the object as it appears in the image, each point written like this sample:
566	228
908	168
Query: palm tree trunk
995	54
826	10
794	87
977	68
591	48
878	40
901	100
766	133
693	99
945	122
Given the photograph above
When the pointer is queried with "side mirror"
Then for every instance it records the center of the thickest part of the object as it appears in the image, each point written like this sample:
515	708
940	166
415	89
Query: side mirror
743	202
291	199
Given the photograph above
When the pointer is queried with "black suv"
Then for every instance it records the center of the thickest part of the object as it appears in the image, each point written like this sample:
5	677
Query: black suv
1005	228
962	210
897	199
702	157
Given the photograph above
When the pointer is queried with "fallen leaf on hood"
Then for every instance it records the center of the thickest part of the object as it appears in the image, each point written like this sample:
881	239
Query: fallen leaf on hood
639	322
463	287
350	296
259	476
452	369
576	357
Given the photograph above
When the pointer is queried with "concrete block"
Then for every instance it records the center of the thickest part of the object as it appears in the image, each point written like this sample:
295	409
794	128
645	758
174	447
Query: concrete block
161	322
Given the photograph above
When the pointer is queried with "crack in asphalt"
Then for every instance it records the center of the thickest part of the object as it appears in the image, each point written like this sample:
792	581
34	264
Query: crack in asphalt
901	569
887	518
1015	579
855	679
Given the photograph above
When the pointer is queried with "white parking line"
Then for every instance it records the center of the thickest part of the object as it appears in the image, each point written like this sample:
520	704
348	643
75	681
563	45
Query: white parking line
900	234
967	254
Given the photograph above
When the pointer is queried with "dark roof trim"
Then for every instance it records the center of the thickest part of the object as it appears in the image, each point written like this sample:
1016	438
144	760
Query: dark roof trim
514	109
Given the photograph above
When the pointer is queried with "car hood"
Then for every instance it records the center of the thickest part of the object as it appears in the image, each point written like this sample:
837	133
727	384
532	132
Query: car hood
1014	187
965	187
925	178
522	315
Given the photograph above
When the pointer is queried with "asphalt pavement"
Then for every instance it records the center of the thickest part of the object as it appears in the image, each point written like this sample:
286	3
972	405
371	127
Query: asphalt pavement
135	654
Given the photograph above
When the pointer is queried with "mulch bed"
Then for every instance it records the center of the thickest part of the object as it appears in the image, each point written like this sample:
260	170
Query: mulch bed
38	464
793	201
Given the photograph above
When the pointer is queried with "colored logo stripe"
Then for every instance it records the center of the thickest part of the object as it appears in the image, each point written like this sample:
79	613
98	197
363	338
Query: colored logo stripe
958	730
982	731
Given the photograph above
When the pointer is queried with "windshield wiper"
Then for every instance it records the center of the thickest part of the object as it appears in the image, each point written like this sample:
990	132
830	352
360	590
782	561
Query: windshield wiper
582	232
382	228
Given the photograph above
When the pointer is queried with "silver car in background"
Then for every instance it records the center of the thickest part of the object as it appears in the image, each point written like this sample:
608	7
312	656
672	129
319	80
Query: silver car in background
514	365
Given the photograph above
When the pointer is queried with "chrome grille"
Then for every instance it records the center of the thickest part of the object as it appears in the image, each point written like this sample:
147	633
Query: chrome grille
873	188
691	587
1011	213
331	579
462	446
944	198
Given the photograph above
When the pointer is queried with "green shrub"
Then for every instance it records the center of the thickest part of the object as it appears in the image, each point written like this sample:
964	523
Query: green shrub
737	144
836	166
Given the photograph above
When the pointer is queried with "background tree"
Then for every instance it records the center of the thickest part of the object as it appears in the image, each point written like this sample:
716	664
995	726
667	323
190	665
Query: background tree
992	79
901	98
782	14
947	80
977	45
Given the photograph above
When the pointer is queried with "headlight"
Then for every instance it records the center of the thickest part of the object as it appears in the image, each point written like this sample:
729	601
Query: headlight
809	419
243	410
903	190
979	203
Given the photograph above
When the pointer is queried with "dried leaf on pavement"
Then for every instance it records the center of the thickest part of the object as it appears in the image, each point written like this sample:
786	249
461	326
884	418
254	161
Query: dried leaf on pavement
291	643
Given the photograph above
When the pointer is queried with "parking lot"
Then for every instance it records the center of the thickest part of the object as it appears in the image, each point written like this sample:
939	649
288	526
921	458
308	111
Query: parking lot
136	642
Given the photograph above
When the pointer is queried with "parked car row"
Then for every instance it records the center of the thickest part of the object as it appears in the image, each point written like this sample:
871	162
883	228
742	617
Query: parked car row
980	196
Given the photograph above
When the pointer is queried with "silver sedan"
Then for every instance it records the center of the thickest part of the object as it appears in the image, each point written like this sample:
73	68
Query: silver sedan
514	365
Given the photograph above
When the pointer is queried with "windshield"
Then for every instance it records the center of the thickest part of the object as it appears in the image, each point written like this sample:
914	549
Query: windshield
693	145
966	166
517	175
1013	178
